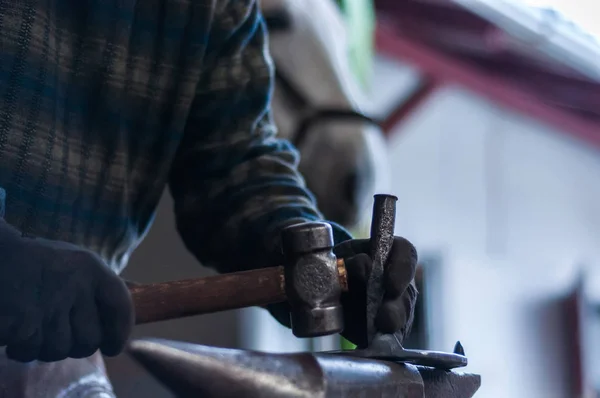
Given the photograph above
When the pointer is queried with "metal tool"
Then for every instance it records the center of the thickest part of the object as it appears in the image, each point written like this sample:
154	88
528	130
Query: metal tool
387	347
381	241
191	370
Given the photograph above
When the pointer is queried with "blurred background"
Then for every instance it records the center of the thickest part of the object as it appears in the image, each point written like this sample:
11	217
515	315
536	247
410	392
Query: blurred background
487	127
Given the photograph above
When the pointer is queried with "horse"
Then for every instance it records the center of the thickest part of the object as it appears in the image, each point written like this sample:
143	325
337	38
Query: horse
317	105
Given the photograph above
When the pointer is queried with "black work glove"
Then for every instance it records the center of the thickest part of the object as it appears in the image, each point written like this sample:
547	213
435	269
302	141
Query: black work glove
397	310
58	300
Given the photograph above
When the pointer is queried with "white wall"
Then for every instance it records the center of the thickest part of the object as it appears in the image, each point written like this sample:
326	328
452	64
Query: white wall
514	208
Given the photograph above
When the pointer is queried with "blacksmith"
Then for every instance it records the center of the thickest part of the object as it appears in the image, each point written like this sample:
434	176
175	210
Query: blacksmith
103	104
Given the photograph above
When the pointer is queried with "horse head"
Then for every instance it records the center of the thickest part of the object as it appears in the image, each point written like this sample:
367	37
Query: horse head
316	106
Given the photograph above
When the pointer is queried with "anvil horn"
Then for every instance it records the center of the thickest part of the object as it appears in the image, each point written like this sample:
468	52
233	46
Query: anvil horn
191	370
199	371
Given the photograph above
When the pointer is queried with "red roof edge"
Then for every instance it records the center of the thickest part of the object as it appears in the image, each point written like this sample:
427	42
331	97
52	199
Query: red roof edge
445	69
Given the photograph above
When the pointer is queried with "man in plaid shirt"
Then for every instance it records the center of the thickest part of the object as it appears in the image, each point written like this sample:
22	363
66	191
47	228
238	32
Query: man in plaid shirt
102	105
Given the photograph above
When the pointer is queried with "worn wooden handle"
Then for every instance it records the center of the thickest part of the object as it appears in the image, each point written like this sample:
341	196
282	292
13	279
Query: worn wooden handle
178	299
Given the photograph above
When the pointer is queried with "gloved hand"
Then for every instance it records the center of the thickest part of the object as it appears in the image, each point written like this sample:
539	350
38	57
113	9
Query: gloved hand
397	310
58	300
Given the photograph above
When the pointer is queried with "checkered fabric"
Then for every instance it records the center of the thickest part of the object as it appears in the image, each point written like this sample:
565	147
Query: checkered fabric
104	103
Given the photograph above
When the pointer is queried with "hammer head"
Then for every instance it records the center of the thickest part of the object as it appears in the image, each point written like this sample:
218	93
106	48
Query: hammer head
312	280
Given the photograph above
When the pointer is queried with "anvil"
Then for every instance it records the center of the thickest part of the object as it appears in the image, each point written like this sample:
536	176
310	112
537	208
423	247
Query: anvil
191	370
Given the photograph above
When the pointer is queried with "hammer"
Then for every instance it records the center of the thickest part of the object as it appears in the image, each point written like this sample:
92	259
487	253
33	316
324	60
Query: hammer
311	279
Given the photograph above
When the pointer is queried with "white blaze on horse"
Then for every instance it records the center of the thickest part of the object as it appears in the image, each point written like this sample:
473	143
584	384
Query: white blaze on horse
316	105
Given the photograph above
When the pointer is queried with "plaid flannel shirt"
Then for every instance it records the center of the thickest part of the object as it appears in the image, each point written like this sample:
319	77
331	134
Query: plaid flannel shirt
105	103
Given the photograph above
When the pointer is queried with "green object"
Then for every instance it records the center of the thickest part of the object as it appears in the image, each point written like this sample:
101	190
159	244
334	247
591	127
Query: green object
346	345
360	19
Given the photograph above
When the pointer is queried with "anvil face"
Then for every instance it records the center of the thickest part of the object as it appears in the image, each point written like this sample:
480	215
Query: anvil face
191	370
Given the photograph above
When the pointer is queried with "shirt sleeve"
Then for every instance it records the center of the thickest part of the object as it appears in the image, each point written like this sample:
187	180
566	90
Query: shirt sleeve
234	183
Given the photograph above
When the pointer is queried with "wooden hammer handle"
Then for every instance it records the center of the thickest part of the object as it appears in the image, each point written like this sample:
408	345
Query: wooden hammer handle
178	299
169	300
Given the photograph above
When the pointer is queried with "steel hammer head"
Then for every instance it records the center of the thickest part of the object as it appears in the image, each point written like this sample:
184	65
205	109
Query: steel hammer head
312	281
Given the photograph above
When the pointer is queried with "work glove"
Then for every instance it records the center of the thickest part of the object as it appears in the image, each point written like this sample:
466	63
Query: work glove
58	300
397	309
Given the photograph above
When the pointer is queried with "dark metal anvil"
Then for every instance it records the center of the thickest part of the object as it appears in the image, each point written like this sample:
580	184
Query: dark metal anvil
191	370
